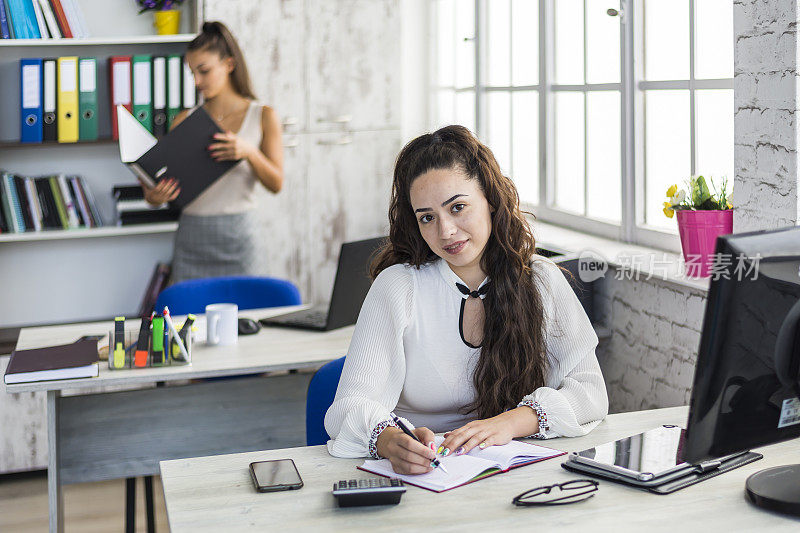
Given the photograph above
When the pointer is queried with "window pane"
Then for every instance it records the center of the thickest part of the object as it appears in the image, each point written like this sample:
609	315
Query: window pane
525	144
525	42
714	135
569	41
445	43
465	109
603	156
444	110
666	39
465	49
602	42
570	151
498	53
667	150
498	128
713	39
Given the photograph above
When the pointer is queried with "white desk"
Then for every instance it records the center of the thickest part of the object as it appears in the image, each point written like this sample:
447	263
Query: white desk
216	494
96	434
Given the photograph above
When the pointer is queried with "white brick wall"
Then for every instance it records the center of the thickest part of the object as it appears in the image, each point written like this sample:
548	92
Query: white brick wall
648	361
765	100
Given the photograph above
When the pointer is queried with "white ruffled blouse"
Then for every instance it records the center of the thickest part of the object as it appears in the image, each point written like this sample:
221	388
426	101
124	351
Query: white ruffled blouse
408	355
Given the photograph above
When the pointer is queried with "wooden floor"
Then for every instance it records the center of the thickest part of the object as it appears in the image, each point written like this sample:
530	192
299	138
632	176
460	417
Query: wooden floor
89	507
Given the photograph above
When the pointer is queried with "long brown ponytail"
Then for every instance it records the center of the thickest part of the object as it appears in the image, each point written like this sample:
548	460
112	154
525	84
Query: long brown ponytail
216	37
513	360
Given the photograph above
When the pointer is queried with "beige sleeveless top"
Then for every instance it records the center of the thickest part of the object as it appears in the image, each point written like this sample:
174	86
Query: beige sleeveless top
235	191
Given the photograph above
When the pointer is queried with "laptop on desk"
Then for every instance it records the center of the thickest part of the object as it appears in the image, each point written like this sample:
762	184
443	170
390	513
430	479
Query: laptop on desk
349	290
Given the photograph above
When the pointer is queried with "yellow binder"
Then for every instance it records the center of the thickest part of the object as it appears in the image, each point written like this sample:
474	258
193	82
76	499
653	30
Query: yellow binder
67	100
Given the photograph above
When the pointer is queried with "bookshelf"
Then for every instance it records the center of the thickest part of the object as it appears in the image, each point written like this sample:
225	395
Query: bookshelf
67	275
99	41
89	233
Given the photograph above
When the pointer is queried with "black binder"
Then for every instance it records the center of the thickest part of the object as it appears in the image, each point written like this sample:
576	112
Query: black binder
692	475
159	88
183	154
49	94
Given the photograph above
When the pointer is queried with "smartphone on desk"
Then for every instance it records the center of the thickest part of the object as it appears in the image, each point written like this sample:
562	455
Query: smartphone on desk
271	476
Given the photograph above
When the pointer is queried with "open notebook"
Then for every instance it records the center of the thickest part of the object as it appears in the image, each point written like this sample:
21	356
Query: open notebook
463	469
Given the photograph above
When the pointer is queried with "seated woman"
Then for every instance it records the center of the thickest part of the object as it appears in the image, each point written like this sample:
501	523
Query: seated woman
465	329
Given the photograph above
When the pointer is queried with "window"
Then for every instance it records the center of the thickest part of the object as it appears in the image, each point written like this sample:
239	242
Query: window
593	107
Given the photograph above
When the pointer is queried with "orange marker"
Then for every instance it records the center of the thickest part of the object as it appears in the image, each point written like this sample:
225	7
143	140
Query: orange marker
142	345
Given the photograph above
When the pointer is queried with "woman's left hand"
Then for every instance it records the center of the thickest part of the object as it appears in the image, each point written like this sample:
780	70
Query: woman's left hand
229	147
494	431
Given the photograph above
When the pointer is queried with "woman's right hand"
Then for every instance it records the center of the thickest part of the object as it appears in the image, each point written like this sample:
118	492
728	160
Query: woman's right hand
165	190
407	455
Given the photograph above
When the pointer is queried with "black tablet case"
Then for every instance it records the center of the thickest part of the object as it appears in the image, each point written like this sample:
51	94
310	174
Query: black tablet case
184	152
667	487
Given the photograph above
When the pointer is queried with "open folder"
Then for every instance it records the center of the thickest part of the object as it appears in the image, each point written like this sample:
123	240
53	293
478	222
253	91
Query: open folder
463	469
182	153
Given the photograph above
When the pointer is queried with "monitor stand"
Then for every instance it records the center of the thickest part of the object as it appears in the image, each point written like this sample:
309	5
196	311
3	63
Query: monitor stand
776	489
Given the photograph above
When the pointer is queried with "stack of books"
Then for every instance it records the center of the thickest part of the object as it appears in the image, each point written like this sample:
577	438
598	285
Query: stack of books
46	202
42	19
132	208
68	361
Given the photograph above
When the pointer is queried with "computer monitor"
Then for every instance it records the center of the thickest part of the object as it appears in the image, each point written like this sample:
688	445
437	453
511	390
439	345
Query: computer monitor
746	389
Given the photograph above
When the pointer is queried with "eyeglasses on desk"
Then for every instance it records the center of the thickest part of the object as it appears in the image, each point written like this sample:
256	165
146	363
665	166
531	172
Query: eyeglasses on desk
576	490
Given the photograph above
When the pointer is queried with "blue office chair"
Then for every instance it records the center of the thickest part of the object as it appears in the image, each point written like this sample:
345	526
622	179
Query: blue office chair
248	292
321	391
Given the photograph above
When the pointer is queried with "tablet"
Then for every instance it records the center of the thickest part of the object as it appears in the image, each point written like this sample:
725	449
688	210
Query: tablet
649	456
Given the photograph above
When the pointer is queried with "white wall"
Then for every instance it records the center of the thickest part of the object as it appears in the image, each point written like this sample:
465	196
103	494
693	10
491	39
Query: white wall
415	42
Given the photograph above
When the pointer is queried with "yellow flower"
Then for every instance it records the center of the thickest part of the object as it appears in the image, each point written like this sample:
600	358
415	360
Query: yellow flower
730	205
672	190
668	209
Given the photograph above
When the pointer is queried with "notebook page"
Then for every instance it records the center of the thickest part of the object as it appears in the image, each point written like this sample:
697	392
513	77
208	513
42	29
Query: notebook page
515	452
460	470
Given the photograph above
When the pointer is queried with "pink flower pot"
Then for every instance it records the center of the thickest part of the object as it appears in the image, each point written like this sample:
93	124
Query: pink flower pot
699	231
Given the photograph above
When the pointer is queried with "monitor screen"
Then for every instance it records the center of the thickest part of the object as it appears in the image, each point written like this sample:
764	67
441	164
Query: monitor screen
746	389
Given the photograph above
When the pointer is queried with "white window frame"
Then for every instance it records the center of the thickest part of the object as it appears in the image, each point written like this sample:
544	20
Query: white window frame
632	227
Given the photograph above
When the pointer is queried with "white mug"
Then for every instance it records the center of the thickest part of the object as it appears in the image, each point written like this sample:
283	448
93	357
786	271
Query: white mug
222	324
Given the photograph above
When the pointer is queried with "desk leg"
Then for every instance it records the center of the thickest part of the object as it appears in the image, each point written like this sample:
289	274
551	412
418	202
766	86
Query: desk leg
55	496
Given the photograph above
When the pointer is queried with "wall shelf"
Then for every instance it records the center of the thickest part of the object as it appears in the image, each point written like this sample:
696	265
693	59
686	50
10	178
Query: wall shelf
101	41
87	233
17	144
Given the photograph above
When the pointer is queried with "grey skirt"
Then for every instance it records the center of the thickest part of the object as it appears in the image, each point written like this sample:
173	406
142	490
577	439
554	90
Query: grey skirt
211	246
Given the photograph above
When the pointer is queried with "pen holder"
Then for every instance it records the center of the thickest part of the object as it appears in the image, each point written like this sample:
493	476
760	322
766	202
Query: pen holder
157	352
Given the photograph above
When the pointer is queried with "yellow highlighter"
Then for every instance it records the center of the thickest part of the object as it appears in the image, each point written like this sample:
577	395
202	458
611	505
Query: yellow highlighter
119	342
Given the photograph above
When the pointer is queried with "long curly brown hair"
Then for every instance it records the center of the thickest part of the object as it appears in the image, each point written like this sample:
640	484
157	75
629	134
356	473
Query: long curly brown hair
513	360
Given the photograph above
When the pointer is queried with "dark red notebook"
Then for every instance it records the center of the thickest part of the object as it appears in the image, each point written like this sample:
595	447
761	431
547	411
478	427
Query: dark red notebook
68	361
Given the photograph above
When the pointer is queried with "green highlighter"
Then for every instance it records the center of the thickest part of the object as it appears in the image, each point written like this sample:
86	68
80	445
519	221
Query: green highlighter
158	340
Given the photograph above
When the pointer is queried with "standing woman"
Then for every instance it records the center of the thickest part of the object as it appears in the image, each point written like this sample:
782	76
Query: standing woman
465	329
216	231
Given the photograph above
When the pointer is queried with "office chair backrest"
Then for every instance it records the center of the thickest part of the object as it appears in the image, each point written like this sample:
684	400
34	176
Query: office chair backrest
321	391
248	292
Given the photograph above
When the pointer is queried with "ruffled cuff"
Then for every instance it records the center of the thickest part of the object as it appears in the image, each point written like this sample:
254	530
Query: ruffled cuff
373	438
543	425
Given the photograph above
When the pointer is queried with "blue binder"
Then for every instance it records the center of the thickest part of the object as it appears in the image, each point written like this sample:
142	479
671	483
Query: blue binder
4	29
30	95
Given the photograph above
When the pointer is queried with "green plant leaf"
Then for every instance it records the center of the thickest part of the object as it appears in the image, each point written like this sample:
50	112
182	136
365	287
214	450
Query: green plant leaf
700	192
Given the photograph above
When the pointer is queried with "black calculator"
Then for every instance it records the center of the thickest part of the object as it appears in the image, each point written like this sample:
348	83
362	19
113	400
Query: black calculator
373	491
